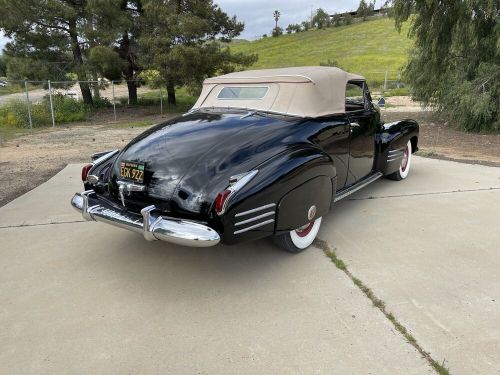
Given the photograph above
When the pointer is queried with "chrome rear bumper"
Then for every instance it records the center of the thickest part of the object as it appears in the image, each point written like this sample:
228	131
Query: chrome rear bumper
152	227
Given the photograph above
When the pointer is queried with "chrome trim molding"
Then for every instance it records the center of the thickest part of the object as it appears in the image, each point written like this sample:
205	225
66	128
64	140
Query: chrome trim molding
126	188
393	155
105	157
361	184
396	157
255	210
395	151
254	218
96	162
236	183
151	226
254	226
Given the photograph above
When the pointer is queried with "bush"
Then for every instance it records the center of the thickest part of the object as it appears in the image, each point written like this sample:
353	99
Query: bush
277	31
15	113
330	62
67	109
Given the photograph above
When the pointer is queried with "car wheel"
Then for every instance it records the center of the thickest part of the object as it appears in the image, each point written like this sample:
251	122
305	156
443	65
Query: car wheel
404	168
299	239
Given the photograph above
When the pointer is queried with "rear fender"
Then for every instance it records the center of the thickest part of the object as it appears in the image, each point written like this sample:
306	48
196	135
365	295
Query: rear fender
267	197
305	203
391	140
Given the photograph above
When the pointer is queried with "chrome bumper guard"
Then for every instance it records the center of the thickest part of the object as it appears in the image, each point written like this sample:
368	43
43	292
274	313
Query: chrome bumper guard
152	227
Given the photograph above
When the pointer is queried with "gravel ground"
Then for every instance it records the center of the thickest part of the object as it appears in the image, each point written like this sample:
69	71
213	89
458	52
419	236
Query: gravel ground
30	159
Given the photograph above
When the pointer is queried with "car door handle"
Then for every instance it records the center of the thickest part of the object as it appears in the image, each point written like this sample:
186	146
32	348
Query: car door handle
354	125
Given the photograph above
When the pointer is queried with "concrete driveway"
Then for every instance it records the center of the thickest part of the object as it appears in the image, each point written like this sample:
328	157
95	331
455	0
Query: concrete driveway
84	297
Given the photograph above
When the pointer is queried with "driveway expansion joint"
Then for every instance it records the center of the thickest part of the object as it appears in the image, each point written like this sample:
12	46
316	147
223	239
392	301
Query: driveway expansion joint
380	305
425	194
41	224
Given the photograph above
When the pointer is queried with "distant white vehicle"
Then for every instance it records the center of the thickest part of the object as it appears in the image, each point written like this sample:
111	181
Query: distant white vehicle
3	83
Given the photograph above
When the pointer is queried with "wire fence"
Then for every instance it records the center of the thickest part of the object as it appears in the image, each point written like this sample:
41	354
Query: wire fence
42	102
46	96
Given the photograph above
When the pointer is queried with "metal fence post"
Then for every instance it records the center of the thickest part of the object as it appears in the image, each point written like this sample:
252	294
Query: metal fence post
399	78
114	104
385	81
51	105
28	103
161	101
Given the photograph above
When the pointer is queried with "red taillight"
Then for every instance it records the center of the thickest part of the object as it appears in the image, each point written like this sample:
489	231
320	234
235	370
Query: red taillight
221	200
85	171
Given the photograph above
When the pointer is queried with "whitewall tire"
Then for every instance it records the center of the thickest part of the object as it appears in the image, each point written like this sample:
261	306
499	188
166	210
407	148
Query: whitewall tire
299	239
404	168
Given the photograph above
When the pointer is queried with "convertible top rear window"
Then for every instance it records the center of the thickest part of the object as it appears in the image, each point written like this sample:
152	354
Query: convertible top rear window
243	92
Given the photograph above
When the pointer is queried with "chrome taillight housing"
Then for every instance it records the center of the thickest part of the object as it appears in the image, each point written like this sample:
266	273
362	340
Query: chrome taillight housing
85	171
235	184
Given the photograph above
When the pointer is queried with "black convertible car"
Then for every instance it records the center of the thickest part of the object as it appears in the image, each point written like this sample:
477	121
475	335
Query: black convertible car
261	153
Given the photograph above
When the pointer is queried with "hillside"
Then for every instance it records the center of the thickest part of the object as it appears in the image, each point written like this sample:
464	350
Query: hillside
368	48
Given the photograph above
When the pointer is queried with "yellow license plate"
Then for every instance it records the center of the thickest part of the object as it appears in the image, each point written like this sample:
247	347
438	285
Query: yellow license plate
132	171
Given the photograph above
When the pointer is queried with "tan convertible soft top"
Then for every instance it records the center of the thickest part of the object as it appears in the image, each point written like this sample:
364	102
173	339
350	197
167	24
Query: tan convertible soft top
309	91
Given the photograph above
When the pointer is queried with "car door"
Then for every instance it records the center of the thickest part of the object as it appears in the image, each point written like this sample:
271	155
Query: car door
363	123
334	140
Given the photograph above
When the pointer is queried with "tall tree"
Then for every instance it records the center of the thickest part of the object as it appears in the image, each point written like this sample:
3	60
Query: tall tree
46	30
183	40
455	62
116	25
276	15
321	19
365	9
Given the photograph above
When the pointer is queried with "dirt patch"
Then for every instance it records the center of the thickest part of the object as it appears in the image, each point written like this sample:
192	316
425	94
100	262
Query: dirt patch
438	140
31	159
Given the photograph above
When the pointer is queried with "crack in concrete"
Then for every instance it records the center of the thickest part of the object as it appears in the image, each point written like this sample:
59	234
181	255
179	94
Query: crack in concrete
41	224
424	194
380	305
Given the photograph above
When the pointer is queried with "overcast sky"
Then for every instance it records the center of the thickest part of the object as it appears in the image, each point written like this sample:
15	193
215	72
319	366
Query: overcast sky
258	14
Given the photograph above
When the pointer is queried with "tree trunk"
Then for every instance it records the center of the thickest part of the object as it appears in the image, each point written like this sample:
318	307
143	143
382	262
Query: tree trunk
171	94
132	92
95	86
77	58
129	69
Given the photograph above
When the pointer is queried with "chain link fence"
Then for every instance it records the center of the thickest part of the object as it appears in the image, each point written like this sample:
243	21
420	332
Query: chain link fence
37	102
45	103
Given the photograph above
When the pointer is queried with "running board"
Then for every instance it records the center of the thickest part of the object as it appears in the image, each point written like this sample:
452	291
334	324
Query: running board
354	188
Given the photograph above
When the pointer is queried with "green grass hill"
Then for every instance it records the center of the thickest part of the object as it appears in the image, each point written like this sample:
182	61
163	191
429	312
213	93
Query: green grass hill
368	48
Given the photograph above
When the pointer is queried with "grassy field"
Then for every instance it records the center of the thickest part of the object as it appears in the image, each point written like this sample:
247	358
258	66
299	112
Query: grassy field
367	48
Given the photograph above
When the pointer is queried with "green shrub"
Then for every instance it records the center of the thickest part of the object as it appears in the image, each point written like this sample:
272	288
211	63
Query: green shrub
15	112
67	109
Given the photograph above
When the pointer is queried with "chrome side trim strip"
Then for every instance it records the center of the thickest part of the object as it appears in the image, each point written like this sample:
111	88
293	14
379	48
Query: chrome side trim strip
254	226
395	151
395	158
255	218
255	210
358	186
104	157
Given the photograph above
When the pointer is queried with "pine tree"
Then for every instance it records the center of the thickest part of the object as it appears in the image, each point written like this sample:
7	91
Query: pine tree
184	42
45	32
